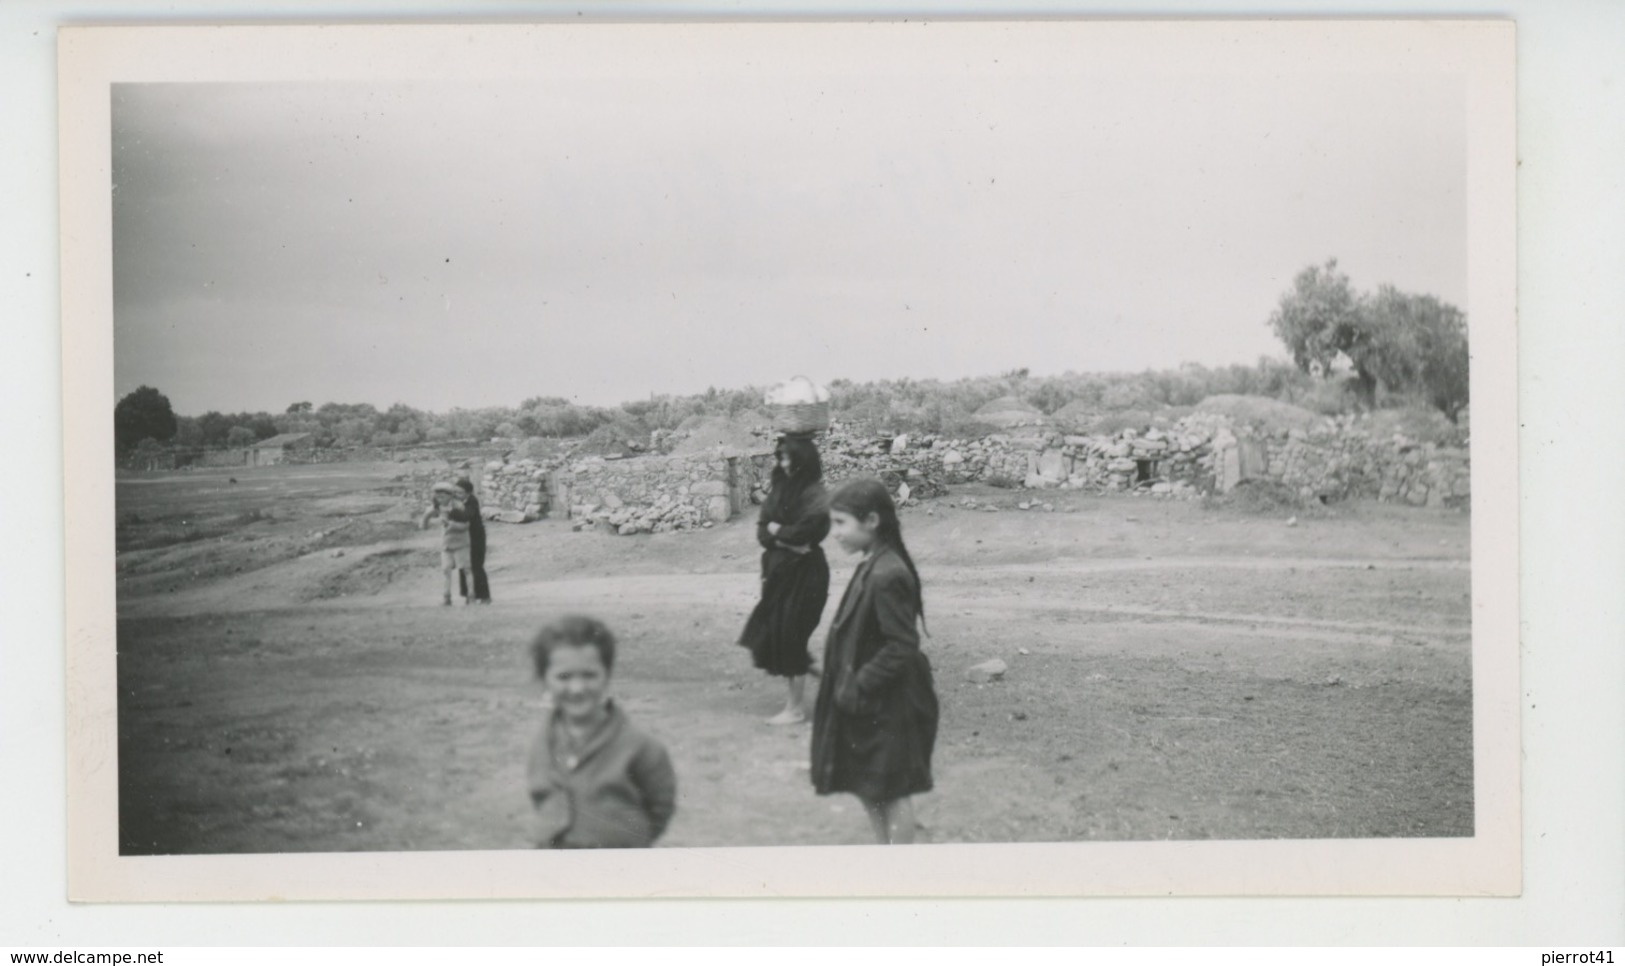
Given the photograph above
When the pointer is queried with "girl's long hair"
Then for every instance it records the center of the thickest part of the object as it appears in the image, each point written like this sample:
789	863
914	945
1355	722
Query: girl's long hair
863	497
804	458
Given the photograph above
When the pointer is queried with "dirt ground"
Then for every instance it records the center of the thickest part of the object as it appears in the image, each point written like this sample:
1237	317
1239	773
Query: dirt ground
288	680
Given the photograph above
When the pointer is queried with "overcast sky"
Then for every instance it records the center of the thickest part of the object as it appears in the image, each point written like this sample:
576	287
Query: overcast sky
726	223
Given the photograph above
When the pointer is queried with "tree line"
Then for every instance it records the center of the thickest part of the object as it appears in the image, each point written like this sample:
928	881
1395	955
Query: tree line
1349	351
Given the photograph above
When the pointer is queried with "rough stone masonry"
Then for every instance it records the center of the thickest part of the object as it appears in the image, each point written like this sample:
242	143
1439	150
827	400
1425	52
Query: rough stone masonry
1338	458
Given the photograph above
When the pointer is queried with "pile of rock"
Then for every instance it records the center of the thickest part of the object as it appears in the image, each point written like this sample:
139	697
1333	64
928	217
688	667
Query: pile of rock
664	516
664	441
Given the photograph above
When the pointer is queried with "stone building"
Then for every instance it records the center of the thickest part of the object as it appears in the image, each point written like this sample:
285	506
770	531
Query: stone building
277	449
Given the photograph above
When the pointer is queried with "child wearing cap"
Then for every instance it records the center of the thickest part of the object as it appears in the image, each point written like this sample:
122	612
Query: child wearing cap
454	545
596	780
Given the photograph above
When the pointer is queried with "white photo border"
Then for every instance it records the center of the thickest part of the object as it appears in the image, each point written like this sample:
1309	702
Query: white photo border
91	59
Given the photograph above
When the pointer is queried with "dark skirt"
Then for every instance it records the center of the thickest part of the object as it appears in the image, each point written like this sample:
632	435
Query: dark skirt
476	562
795	588
882	752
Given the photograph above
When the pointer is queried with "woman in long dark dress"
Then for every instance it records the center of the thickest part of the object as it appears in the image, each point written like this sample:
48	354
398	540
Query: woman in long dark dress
795	576
476	547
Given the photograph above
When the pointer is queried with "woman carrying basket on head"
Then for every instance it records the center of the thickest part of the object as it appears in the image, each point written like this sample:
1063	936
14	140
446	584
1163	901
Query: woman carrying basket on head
795	575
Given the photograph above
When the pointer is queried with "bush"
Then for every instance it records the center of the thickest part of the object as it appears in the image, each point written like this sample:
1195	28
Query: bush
960	427
620	435
929	406
1329	397
410	438
561	421
1050	396
1130	394
1113	423
1420	423
1268	414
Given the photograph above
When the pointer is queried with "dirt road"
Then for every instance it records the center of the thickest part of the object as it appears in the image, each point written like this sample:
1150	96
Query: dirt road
288	681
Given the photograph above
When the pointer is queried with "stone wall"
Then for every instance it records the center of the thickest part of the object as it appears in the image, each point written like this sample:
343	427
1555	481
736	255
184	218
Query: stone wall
331	454
1173	460
1343	458
1201	453
1430	476
1177	460
222	457
524	486
654	494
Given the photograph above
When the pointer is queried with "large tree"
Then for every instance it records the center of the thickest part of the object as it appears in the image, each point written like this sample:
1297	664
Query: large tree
143	414
1424	347
1407	344
212	427
1320	320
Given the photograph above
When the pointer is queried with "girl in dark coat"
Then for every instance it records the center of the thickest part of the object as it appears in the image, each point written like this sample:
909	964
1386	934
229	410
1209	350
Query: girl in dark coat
476	548
795	575
875	721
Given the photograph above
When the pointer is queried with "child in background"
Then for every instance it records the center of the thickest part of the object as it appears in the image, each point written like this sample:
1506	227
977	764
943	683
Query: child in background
875	721
454	544
596	781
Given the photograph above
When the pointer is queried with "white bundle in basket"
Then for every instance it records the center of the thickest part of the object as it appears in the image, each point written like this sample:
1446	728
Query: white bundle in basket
799	406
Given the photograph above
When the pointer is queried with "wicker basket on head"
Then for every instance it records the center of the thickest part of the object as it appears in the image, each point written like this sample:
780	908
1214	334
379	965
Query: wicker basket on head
799	405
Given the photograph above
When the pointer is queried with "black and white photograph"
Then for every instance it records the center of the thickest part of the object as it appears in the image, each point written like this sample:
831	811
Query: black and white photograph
792	439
